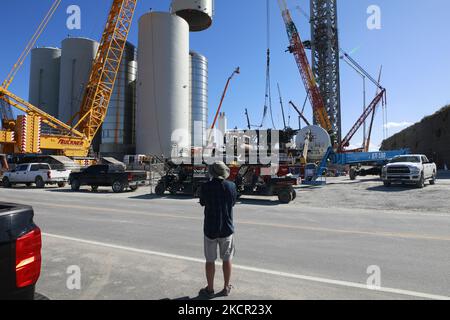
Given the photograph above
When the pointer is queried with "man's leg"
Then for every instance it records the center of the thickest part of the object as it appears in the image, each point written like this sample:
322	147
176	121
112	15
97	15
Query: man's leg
227	267
210	273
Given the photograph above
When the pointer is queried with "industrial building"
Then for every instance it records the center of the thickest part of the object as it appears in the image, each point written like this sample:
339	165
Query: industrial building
431	137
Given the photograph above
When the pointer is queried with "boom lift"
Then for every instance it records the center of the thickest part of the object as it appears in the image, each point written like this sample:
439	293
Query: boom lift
37	130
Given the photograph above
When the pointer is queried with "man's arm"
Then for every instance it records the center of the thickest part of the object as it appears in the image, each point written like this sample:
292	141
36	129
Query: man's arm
202	197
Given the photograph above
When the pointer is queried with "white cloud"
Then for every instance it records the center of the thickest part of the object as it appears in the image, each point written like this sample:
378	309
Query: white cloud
394	125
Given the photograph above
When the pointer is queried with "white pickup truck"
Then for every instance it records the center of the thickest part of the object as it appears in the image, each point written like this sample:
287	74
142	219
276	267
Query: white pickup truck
40	174
414	168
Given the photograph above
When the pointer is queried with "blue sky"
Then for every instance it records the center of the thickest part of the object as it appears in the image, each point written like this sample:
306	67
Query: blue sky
413	46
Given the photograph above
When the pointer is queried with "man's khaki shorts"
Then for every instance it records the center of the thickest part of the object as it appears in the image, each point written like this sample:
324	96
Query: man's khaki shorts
226	248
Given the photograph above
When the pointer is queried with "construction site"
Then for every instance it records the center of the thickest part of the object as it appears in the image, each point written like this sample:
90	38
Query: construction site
114	141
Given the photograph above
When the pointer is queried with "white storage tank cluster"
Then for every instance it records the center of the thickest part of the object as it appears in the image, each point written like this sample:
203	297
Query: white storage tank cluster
172	85
77	57
162	115
44	79
118	129
198	98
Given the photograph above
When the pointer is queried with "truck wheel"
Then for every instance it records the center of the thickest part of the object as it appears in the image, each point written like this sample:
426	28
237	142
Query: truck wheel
352	174
39	182
387	184
133	188
285	196
61	184
6	183
75	185
160	189
118	187
294	195
94	188
433	180
421	183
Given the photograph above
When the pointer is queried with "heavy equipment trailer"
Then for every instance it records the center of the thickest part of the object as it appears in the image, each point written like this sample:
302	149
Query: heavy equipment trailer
254	180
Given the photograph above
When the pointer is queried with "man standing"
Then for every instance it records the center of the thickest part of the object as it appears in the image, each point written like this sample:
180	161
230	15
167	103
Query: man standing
218	197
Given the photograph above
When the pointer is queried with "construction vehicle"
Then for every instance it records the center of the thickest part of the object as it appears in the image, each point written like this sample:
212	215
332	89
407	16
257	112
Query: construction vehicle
37	131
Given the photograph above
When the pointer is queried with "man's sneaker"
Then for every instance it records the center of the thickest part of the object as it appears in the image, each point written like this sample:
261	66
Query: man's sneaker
206	293
226	291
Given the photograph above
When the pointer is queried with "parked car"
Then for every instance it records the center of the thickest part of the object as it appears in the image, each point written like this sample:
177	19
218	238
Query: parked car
409	169
20	252
40	174
107	176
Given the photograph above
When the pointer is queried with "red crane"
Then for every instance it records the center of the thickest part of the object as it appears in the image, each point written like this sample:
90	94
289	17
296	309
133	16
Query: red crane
298	50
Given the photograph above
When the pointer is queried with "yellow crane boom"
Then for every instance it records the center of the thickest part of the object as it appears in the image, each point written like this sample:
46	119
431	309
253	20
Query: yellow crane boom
27	137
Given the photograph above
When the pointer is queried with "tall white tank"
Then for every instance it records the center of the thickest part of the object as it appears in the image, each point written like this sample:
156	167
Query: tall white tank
319	143
198	98
198	13
44	79
162	113
77	57
117	134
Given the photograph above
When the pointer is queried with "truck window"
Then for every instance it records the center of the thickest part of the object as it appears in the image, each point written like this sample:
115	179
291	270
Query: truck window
22	167
425	160
97	169
35	167
44	166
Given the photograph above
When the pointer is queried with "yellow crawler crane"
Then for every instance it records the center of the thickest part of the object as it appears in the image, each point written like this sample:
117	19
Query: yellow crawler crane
37	130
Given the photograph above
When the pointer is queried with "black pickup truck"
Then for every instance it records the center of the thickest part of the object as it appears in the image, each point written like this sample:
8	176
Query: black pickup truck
107	176
20	252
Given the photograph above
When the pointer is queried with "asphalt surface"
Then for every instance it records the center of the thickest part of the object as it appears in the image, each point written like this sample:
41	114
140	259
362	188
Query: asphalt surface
138	246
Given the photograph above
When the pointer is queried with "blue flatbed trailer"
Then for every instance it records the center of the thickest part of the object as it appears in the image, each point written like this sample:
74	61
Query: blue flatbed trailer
374	160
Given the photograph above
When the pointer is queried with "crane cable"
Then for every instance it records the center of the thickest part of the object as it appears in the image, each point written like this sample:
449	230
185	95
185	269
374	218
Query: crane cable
268	94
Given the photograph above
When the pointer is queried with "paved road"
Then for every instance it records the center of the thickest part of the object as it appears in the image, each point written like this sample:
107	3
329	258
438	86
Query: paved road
135	246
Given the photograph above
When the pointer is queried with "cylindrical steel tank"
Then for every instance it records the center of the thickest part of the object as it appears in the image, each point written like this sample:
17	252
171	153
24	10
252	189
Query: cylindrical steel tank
117	134
44	79
198	13
77	57
198	98
162	113
319	143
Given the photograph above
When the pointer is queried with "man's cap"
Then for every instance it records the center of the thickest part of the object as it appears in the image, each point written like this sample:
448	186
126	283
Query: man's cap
219	170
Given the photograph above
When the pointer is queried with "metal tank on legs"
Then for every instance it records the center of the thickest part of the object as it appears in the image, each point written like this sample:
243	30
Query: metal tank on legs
198	13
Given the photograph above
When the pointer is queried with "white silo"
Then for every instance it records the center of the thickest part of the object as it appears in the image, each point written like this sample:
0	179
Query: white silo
162	113
44	79
198	98
198	13
77	57
117	134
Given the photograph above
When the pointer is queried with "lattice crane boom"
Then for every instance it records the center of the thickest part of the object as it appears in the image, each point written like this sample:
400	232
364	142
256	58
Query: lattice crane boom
298	50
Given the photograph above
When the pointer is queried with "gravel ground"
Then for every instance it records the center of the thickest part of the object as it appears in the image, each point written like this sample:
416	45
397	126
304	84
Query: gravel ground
370	193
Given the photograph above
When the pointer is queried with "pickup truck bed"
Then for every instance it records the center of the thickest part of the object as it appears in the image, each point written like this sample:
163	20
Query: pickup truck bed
20	252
